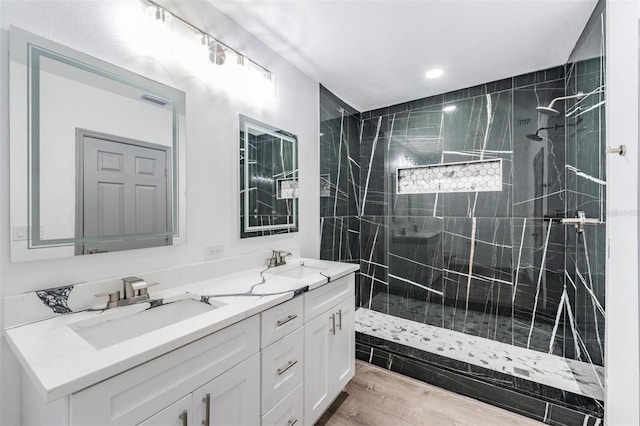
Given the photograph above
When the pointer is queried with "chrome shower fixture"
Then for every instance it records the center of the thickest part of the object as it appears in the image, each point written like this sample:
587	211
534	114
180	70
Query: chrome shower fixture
536	137
550	110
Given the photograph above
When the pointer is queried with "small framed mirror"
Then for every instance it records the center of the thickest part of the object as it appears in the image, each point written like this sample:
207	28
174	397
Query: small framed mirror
268	179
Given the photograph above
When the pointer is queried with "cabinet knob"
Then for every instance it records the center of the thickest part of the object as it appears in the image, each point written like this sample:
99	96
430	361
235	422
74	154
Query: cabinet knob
292	422
340	318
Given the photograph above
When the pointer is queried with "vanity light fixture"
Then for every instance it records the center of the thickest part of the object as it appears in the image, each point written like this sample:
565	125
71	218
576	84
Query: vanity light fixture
159	13
434	73
449	108
218	52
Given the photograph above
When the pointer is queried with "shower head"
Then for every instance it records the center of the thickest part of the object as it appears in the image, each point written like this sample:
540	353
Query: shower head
550	110
534	137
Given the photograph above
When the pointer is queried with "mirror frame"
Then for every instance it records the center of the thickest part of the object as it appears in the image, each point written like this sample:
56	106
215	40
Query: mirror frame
247	230
25	50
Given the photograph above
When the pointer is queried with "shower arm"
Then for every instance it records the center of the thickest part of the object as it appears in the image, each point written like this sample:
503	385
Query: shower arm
562	98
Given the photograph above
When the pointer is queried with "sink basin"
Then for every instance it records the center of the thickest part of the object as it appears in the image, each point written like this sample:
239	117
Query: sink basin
296	271
114	326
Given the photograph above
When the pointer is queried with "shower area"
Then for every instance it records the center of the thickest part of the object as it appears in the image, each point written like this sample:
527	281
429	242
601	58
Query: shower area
478	220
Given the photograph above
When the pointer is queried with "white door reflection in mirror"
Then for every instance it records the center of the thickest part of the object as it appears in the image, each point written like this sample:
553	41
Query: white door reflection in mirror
122	191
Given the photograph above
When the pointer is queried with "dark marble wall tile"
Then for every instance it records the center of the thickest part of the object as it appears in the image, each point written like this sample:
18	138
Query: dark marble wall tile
542	76
374	280
340	238
374	141
539	184
477	258
480	129
339	156
339	166
586	187
416	268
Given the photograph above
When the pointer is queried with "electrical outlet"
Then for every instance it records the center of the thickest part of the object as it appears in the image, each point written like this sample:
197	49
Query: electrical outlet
213	252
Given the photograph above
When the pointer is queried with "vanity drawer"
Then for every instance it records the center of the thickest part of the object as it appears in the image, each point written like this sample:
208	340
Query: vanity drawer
138	393
282	368
327	296
281	320
287	412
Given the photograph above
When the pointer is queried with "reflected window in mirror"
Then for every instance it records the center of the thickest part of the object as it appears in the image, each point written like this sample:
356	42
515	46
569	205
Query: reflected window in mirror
97	154
268	179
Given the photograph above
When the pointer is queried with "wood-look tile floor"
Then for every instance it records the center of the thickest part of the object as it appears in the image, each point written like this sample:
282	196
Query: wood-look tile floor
379	397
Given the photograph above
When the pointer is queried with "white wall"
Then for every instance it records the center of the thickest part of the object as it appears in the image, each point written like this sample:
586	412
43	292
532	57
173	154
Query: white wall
117	31
622	338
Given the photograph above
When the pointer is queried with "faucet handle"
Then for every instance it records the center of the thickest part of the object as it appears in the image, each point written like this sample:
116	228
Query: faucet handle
132	285
114	297
145	290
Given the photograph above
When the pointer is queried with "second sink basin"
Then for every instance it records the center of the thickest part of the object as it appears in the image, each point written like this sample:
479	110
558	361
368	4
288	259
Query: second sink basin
300	270
112	327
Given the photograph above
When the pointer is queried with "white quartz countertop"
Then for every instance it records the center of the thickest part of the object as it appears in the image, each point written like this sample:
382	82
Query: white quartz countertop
60	362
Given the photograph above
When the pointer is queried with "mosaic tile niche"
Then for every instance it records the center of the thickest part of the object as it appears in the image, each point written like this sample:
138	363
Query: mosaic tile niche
475	176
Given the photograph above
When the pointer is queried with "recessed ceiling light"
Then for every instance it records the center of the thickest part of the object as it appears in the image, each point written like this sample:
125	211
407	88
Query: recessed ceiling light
449	108
434	73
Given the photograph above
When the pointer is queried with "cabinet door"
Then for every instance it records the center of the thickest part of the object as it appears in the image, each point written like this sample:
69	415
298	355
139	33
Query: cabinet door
342	346
317	381
172	415
233	398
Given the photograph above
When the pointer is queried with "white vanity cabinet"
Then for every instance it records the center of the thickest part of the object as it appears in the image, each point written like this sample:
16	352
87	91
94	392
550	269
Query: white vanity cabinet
224	365
284	366
329	345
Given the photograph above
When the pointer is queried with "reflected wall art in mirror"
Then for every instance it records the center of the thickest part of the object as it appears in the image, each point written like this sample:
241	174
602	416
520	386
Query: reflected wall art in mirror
268	179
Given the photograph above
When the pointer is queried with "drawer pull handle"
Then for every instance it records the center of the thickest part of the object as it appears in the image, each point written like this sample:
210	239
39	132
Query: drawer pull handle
340	318
183	417
292	422
289	365
280	323
333	324
207	409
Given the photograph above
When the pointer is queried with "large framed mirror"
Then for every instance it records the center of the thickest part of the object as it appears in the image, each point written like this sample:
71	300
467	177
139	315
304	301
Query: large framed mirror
97	154
268	179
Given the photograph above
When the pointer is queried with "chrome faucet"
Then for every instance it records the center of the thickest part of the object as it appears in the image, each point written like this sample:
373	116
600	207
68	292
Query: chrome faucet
134	290
278	258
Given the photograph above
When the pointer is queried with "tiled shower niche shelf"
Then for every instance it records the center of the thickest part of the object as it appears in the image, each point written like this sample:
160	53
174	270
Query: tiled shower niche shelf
287	189
469	176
